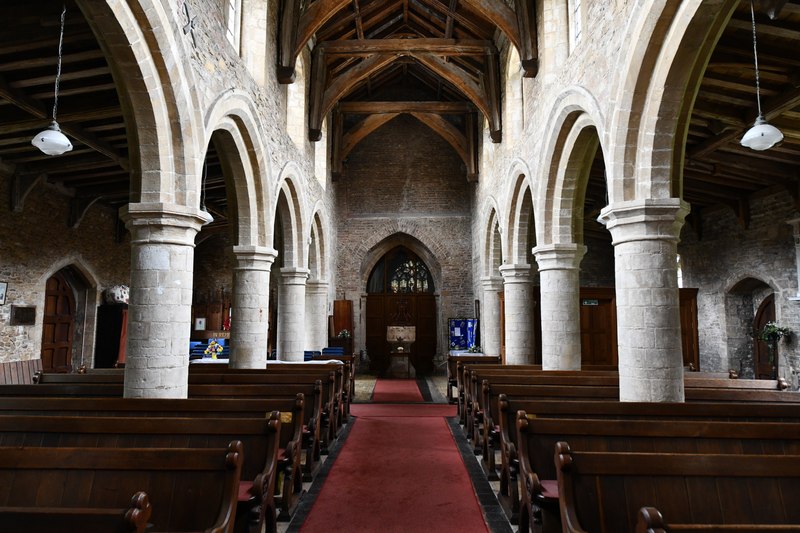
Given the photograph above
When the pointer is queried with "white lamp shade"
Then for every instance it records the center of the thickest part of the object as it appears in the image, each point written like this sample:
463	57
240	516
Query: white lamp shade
761	136
51	141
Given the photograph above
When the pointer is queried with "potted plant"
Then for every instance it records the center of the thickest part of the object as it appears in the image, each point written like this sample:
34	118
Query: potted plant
771	334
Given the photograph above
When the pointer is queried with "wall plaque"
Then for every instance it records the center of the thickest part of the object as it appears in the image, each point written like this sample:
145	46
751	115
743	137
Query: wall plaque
23	315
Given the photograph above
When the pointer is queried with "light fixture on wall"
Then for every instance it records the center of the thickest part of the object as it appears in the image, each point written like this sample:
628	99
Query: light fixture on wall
51	141
762	135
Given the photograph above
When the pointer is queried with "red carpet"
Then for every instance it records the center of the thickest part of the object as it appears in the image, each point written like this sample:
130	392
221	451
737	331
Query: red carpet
396	390
397	473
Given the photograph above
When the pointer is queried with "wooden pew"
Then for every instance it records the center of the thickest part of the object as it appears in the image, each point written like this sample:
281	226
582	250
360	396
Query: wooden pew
331	377
538	436
453	364
105	399
605	409
605	491
567	394
483	410
19	371
80	489
260	438
75	386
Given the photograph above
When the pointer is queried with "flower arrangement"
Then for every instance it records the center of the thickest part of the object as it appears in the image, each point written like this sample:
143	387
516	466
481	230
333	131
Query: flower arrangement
344	334
474	349
213	349
772	333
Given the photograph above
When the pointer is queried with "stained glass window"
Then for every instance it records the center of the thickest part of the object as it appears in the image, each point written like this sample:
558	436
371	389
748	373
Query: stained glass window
400	271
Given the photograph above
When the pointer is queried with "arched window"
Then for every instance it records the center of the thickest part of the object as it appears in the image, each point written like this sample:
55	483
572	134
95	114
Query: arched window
400	271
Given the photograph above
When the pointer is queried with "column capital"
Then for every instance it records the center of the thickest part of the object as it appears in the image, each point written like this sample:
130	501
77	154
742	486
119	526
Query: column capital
492	283
519	273
645	220
317	285
161	223
294	275
254	257
559	256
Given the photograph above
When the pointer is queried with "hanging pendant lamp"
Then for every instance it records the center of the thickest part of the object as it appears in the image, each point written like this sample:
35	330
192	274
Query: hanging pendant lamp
51	141
762	135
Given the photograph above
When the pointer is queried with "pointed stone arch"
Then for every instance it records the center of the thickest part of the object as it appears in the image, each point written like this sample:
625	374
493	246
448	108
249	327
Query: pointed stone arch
520	229
655	91
492	256
289	206
232	121
158	98
318	246
575	122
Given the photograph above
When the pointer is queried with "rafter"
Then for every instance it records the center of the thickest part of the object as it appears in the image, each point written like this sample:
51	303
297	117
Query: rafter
366	108
446	131
772	109
362	130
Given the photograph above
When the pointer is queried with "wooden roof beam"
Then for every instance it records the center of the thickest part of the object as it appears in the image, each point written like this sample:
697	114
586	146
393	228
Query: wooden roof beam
772	109
441	47
519	27
34	107
368	108
298	28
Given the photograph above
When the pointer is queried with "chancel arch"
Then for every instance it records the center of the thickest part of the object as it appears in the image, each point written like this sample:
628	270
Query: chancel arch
400	284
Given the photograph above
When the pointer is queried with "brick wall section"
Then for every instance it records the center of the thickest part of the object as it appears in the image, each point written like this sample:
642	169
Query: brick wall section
404	178
726	254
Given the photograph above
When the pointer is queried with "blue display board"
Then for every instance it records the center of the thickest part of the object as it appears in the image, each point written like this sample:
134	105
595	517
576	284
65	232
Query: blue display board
463	333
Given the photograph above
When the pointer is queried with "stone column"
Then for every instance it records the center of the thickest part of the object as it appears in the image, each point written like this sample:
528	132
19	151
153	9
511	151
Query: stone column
559	275
490	315
160	306
291	313
520	336
250	306
316	315
645	238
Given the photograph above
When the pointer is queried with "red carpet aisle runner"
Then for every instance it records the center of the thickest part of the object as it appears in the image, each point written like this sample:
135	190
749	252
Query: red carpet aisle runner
398	472
396	390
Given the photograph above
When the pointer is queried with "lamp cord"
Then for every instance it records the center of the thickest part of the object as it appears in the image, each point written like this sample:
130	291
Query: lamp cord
755	57
58	70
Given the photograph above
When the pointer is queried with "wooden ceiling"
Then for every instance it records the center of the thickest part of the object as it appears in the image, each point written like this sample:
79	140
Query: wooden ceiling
371	60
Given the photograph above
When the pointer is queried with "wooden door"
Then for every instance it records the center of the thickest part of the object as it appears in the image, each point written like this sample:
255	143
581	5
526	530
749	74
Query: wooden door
58	325
598	326
764	368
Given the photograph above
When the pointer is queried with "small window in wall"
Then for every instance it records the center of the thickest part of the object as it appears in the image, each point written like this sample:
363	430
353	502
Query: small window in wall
575	22
233	22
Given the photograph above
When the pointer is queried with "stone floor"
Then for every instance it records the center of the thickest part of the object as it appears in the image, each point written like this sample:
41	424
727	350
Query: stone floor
485	490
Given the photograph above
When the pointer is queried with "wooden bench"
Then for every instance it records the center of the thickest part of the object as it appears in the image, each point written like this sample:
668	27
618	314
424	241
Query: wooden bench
285	374
453	364
495	432
80	489
611	409
19	371
313	393
606	491
260	438
295	443
538	436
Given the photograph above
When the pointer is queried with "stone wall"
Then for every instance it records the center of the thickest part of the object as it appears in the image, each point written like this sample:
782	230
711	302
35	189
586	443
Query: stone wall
37	243
735	268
